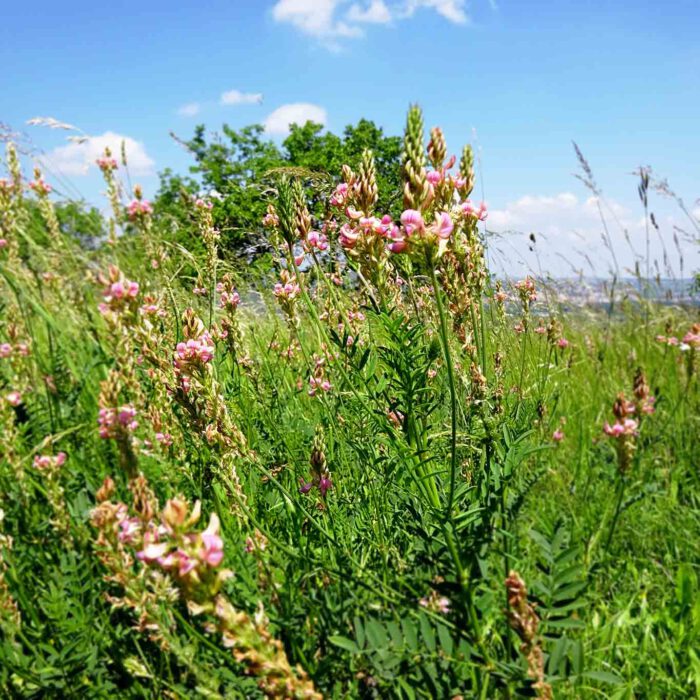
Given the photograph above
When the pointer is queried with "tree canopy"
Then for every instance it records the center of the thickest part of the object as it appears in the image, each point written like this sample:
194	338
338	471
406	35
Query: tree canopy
241	165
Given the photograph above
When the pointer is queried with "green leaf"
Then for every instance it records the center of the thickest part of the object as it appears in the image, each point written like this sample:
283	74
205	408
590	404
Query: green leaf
344	643
604	677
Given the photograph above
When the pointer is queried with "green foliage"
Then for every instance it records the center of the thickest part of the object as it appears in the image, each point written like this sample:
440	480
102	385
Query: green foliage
241	166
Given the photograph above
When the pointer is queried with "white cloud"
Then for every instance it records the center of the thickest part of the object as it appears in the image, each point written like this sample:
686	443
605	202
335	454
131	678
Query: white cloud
78	158
570	235
191	109
332	20
277	123
374	13
452	10
316	18
236	97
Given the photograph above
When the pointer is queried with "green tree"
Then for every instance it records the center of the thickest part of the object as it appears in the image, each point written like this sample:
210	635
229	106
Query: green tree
241	166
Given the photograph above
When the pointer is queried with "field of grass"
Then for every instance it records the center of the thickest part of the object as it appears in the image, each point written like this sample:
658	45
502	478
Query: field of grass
391	476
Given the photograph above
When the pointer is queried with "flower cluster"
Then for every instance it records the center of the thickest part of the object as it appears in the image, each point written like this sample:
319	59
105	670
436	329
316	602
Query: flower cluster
139	209
113	422
414	231
50	463
436	603
119	294
320	475
194	353
477	212
229	299
625	429
40	186
7	350
171	545
179	561
526	290
318	380
106	163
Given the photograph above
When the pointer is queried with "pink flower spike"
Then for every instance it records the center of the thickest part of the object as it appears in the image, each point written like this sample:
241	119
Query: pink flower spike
558	435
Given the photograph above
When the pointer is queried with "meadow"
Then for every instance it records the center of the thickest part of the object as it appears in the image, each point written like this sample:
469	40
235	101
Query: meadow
370	469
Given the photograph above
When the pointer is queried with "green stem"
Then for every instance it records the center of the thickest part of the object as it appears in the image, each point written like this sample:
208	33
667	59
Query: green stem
453	392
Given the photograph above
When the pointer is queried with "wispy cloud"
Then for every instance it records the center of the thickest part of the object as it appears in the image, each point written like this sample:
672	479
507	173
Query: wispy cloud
236	97
570	235
452	10
78	158
330	21
191	109
279	121
375	13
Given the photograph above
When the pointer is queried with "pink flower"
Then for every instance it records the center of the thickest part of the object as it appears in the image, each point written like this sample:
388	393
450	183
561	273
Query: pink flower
40	187
348	236
3	243
540	330
129	528
563	343
165	439
5	350
14	398
43	462
324	484
316	239
627	427
412	221
443	225
106	165
212	550
153	551
692	339
340	195
139	209
468	209
558	435
434	177
196	351
398	242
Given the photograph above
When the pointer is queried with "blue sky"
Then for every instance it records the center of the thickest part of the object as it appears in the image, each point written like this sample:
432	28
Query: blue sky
521	78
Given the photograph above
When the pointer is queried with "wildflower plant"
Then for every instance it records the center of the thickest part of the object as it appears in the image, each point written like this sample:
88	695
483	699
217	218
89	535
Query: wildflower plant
311	476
